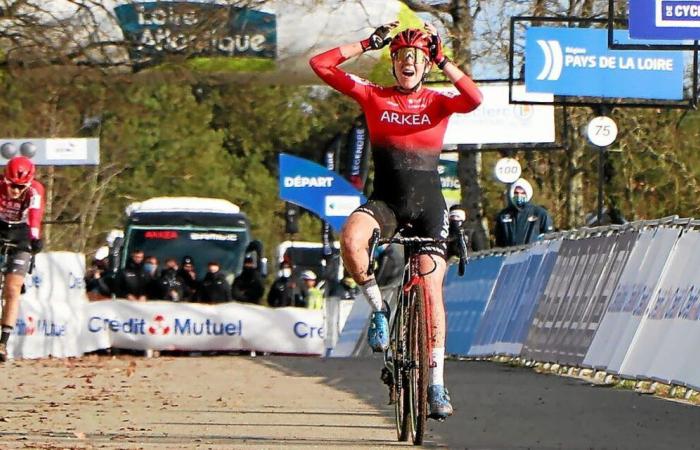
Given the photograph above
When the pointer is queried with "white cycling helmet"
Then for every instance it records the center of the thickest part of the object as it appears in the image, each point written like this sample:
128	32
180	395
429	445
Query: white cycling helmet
308	275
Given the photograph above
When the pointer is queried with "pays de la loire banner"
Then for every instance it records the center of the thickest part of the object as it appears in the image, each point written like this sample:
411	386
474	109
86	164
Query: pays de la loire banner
577	61
323	192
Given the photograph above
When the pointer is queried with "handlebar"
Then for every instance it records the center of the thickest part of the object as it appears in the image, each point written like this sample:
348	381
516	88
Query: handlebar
376	240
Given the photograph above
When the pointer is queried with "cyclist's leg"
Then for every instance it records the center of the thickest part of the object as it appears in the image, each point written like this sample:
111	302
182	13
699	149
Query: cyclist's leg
18	265
433	223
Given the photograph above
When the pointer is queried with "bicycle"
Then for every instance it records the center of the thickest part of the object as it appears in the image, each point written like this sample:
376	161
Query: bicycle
406	360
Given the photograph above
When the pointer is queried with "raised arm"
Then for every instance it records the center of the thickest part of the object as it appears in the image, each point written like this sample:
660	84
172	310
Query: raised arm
326	64
470	96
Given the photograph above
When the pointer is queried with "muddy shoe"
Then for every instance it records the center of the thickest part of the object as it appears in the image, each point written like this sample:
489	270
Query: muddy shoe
3	352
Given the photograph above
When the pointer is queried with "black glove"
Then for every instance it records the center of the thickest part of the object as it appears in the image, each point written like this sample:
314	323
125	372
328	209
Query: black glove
37	245
378	39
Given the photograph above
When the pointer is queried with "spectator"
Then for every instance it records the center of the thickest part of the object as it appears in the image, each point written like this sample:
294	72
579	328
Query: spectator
171	286
189	278
284	290
312	296
347	289
150	266
96	286
132	281
248	286
521	222
458	220
214	287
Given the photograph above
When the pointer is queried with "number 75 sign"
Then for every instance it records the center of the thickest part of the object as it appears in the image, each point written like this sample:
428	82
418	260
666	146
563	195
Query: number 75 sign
602	131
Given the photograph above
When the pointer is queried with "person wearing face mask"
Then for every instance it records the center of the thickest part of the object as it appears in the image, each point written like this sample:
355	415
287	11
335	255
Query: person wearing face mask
248	287
152	271
284	290
21	215
214	288
521	222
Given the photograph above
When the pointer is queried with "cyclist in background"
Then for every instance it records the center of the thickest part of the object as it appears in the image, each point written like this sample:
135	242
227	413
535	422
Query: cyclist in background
21	213
406	123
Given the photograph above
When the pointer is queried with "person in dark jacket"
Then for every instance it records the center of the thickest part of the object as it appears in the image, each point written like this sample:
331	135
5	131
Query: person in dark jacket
171	285
132	281
248	287
521	222
214	287
189	277
284	290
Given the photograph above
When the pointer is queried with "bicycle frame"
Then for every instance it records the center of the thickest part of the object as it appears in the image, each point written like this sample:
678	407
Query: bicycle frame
407	360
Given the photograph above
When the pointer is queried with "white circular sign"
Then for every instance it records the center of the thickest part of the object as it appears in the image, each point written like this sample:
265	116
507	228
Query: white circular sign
602	131
507	170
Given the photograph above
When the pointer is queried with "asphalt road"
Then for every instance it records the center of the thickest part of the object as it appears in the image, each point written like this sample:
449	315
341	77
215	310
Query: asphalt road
501	407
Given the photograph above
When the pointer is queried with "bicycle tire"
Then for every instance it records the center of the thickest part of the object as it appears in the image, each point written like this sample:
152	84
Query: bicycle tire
418	354
399	345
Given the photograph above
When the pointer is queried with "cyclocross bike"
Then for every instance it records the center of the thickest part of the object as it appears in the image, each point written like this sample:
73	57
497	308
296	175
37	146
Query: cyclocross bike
407	360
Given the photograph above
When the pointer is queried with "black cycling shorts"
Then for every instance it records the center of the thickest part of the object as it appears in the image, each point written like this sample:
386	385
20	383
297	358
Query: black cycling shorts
19	256
419	211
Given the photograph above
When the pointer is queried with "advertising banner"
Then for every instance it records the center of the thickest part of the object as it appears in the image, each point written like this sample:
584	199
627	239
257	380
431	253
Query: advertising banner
323	192
155	29
501	304
676	285
466	298
162	325
535	282
449	178
664	19
536	346
577	61
485	125
50	312
611	253
357	154
636	290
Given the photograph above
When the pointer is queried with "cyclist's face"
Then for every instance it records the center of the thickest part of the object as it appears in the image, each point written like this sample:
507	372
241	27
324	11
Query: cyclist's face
409	66
15	190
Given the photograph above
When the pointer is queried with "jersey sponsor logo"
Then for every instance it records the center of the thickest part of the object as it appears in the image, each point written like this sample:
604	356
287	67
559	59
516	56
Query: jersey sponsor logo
359	80
405	119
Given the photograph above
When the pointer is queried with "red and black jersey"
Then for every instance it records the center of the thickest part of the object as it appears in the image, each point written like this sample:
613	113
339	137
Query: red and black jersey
27	209
407	122
406	131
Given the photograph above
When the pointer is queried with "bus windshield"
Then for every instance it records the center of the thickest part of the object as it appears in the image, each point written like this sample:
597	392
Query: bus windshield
203	244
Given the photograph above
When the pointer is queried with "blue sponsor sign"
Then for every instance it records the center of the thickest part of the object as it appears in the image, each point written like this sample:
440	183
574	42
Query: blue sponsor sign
193	28
323	192
465	300
664	19
576	61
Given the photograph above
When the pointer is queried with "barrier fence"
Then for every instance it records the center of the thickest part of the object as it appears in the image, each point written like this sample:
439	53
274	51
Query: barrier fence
625	299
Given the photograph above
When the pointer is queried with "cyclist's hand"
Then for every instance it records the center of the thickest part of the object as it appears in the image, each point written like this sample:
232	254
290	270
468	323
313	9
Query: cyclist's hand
37	245
380	37
437	55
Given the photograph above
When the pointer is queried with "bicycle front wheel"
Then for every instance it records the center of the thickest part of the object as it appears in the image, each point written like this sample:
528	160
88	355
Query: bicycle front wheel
418	356
400	360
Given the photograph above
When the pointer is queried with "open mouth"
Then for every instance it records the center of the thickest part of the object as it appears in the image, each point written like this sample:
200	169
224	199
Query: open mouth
408	72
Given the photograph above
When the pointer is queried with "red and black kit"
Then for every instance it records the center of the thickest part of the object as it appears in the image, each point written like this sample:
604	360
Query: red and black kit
406	131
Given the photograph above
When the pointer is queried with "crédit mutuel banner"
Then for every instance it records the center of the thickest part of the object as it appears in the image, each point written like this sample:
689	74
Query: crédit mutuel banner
577	62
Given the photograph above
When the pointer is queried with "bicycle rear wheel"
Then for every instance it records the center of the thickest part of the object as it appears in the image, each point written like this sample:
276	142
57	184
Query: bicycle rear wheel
398	348
418	357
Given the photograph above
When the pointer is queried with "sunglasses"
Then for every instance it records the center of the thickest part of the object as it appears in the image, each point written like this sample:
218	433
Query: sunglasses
410	53
18	187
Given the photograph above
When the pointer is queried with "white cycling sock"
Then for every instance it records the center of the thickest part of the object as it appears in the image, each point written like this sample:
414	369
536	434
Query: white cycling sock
372	293
438	363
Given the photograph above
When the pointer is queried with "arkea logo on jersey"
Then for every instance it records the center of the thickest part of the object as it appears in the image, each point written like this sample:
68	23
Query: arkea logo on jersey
405	119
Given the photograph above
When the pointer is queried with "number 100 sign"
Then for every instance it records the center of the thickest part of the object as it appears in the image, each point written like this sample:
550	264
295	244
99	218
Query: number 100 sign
602	131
